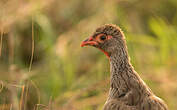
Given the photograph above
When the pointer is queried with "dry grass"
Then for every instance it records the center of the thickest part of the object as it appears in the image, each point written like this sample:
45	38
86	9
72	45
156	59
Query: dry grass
42	66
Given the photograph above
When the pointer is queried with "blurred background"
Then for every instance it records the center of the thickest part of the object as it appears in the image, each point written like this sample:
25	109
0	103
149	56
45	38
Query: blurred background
43	67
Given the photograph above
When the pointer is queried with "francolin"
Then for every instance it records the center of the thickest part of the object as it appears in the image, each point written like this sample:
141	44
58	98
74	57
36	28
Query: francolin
127	90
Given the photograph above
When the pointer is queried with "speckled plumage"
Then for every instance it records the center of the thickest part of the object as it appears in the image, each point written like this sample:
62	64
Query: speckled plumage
127	90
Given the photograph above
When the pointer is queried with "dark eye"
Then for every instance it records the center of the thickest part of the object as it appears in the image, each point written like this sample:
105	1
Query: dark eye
103	37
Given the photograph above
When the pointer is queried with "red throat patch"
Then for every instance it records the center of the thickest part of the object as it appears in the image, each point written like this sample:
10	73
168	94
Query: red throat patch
106	53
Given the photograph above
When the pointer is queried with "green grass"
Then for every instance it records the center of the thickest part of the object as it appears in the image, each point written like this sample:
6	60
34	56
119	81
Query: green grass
63	74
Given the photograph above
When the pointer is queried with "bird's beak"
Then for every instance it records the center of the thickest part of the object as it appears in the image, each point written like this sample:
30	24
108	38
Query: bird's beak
89	42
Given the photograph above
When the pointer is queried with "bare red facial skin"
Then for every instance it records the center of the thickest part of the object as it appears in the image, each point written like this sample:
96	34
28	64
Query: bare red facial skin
97	38
91	41
107	38
106	53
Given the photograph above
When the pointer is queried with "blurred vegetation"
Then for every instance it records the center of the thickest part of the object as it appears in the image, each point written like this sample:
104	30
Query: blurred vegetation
66	77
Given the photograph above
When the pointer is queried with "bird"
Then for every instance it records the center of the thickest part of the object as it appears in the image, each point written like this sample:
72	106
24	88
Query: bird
127	90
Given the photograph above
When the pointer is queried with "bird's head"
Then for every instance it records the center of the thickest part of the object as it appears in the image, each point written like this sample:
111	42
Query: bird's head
108	38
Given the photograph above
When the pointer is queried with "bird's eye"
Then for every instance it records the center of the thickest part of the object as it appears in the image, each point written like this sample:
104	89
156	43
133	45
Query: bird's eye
103	37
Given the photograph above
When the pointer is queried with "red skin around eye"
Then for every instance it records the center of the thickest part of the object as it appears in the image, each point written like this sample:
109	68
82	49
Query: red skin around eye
107	38
98	37
94	41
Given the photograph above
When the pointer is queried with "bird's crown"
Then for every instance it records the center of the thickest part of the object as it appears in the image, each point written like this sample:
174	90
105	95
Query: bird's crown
109	29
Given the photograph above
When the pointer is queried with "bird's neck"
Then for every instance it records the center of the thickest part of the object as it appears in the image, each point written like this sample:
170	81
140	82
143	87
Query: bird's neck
119	62
121	69
123	76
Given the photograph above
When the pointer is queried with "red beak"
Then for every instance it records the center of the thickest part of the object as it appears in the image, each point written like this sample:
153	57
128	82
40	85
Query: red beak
89	42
